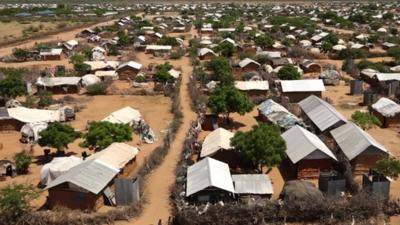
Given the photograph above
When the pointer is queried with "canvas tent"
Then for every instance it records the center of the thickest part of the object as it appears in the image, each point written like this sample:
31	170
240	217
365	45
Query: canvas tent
57	167
216	140
126	115
30	131
27	115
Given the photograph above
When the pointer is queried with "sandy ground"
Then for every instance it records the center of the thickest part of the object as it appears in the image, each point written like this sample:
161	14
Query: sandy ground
155	110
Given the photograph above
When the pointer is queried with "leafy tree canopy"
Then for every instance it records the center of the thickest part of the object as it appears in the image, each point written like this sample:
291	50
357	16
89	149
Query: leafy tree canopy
226	49
12	85
261	146
58	135
388	166
226	99
165	40
162	73
102	134
22	161
16	198
289	72
264	41
221	69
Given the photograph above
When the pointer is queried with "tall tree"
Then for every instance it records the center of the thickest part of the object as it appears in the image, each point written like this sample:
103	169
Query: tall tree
289	72
13	85
58	135
221	70
264	41
261	146
226	99
102	134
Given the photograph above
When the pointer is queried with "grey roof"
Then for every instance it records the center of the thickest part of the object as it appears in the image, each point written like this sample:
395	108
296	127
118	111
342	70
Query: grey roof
91	175
353	141
301	143
206	173
4	113
252	184
386	107
321	113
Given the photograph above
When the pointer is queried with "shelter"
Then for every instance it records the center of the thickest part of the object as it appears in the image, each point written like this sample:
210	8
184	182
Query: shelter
358	146
387	111
253	88
102	65
57	167
153	49
206	54
27	115
71	44
104	75
209	180
247	65
322	114
90	79
82	186
307	152
52	54
126	115
128	70
217	145
272	112
30	131
8	123
297	90
252	184
59	85
309	66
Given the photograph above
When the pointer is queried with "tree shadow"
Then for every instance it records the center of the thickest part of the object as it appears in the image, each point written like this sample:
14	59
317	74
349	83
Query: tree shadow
46	158
287	170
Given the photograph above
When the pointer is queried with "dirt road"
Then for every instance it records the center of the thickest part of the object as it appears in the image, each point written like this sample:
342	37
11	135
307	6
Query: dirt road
63	36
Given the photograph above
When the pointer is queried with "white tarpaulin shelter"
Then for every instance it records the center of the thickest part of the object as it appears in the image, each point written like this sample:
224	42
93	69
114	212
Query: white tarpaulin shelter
90	79
57	167
127	115
216	140
31	130
116	155
27	115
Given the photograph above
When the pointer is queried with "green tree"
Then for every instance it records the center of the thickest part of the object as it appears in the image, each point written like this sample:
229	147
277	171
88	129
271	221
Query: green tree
22	161
45	98
58	135
165	40
162	73
388	166
102	134
226	49
327	46
12	85
226	99
264	41
20	53
289	72
365	120
16	198
96	89
222	70
261	146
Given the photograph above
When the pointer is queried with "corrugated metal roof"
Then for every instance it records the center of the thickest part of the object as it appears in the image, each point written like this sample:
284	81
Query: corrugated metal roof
252	85
57	81
247	61
300	143
4	113
321	113
302	85
91	175
386	107
132	64
252	184
204	51
208	173
353	140
158	47
216	140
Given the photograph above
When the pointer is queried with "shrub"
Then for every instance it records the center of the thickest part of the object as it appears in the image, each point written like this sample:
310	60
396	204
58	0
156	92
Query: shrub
176	55
365	120
22	161
140	79
15	198
96	89
352	53
289	72
388	166
45	98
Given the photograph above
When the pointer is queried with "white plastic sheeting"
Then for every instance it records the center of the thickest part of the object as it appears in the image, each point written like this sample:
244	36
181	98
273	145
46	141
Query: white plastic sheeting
216	140
57	167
